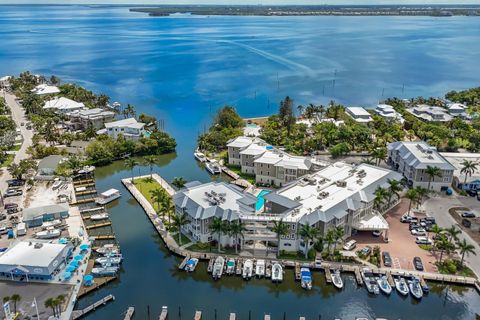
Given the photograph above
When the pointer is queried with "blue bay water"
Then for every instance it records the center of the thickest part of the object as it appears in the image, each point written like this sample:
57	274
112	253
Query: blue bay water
182	69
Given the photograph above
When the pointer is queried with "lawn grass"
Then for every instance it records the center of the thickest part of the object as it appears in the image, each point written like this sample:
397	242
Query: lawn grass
145	186
237	169
15	147
8	160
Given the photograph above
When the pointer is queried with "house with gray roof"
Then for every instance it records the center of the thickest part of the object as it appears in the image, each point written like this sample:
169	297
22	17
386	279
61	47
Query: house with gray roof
48	165
412	158
202	202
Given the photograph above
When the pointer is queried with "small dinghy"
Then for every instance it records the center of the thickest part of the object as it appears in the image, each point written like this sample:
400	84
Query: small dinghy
191	265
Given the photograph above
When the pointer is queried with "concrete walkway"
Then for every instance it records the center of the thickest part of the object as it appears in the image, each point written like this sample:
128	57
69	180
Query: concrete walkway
18	115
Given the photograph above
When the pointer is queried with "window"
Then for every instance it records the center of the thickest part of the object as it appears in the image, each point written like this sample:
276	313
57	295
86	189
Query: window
287	244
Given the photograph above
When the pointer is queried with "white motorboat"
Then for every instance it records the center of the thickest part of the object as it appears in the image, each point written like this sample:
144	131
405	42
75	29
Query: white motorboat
277	272
213	167
370	283
100	216
415	288
191	264
231	266
384	286
108	196
401	286
110	259
337	279
51	224
108	248
199	156
247	269
260	268
218	267
306	278
50	233
104	271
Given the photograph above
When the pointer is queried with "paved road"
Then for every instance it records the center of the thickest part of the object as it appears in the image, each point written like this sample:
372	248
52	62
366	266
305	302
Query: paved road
438	207
18	115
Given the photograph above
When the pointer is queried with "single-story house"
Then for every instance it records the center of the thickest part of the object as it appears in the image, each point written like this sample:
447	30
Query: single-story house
48	165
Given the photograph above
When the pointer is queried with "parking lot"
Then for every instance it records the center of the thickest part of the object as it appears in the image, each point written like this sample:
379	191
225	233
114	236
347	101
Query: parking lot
401	244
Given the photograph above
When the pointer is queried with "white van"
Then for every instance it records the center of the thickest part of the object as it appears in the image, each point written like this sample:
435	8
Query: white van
350	245
21	229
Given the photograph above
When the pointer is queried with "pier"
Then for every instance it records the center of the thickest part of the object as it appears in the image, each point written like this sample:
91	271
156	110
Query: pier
181	266
198	315
76	314
98	225
129	313
164	314
232	316
97	283
328	275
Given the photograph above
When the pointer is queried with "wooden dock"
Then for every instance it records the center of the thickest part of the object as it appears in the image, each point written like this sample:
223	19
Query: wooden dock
163	314
78	183
358	276
104	237
97	282
86	193
129	313
98	225
83	201
232	316
328	275
210	265
238	267
92	210
297	271
390	280
76	314
181	266
198	315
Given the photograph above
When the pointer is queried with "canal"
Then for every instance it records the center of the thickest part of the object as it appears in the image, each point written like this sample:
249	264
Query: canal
150	278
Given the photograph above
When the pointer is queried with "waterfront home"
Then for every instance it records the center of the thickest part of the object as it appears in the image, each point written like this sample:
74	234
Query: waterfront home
340	195
270	165
411	158
316	119
130	128
34	260
458	110
430	113
5	82
36	216
202	202
63	105
96	117
49	165
388	112
469	182
43	89
251	130
359	114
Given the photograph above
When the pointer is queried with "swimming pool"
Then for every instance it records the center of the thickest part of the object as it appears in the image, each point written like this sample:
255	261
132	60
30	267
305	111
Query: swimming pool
251	125
260	201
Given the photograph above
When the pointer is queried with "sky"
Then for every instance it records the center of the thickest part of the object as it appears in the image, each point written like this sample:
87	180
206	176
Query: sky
246	2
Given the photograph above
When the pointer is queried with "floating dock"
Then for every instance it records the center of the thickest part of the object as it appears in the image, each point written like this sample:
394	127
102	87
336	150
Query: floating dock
297	271
198	315
266	317
97	282
76	314
164	314
232	316
98	225
181	266
328	275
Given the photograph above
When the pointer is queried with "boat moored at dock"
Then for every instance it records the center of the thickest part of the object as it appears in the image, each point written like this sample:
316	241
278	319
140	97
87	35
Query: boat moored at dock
191	264
260	268
370	283
277	272
213	167
306	278
98	217
415	288
247	269
337	279
230	266
104	271
199	156
218	267
401	286
108	196
383	285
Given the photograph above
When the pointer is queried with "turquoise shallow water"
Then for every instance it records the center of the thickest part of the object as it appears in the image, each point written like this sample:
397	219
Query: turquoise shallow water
182	69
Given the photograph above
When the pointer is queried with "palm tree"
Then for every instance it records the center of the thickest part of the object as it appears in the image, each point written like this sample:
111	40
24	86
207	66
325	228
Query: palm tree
73	163
168	207
394	188
300	110
465	248
411	195
180	220
179	182
281	229
379	154
60	300
6	299
15	298
380	195
236	230
339	232
157	196
308	233
452	233
217	227
50	303
131	164
437	231
468	168
422	193
330	238
150	161
432	172
445	246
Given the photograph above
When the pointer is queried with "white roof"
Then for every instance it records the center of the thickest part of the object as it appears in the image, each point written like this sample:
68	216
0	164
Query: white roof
268	158
63	103
457	106
419	155
45	89
5	78
24	253
125	123
240	142
358	111
109	192
254	149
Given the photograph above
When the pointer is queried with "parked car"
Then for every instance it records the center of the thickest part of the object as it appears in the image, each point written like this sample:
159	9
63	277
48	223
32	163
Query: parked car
10	205
418	232
417	262
387	259
3	216
468	215
413	225
423	240
350	245
405	219
15	182
376	233
365	251
12	193
12	210
472	193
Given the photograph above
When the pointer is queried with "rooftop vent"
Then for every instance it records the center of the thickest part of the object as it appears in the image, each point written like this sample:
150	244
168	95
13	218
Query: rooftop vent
341	183
38	245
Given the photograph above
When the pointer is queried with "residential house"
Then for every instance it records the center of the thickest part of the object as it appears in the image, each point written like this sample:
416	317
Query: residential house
359	114
64	105
130	128
48	165
43	89
388	112
430	113
96	117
